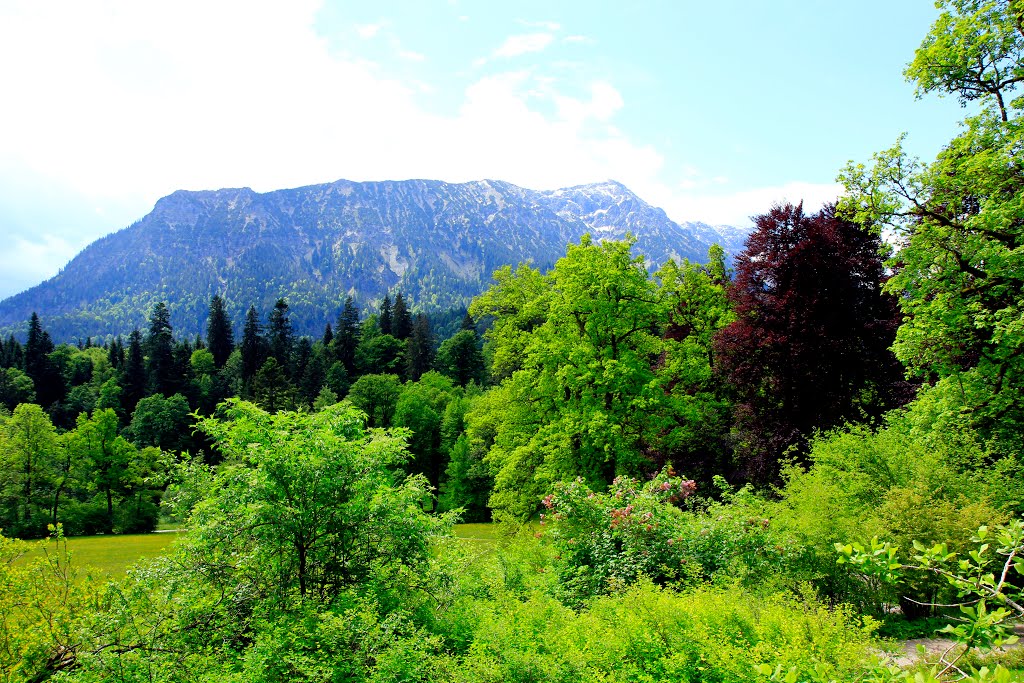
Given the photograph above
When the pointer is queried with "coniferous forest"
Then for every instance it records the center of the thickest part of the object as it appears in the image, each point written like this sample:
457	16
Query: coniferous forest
763	469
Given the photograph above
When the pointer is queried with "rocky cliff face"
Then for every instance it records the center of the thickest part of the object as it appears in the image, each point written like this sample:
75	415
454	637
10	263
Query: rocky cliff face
437	242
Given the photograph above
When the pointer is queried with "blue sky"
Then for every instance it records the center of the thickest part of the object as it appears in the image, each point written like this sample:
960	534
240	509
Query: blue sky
712	111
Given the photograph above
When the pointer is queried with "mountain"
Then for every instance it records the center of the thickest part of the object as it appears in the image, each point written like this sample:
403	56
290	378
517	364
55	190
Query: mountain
437	242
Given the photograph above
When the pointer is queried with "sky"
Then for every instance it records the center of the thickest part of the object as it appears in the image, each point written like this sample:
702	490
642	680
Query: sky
711	110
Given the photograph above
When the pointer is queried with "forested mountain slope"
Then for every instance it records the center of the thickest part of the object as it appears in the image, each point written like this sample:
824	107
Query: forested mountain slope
437	242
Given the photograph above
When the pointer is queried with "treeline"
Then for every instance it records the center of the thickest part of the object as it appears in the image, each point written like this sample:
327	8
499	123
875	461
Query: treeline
594	369
88	433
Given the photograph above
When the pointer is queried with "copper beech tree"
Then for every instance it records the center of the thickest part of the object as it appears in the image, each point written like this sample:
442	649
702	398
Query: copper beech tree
809	348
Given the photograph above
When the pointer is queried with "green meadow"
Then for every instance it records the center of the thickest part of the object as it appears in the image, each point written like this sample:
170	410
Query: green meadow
113	555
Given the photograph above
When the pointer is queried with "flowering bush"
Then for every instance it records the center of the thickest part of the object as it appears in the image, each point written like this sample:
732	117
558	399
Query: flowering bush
606	541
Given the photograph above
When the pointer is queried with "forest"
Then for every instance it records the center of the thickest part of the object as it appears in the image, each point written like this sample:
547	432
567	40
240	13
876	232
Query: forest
756	471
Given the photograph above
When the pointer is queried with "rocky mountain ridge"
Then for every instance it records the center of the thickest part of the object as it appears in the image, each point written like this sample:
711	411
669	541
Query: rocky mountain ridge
437	242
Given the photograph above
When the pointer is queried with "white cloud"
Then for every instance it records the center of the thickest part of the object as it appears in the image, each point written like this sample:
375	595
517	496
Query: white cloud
582	40
736	208
515	46
411	56
122	103
24	262
368	31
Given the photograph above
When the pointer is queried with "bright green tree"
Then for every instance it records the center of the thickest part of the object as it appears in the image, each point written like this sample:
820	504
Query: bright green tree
377	396
15	387
959	221
307	505
106	458
161	421
29	454
606	371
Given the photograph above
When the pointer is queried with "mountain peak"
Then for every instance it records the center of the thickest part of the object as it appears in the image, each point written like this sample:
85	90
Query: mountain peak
437	242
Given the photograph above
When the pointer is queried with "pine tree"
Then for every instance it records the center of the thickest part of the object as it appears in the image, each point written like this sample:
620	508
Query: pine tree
468	323
401	325
385	315
420	349
133	373
279	333
220	338
49	383
346	338
300	358
271	388
115	354
253	345
328	336
35	350
160	366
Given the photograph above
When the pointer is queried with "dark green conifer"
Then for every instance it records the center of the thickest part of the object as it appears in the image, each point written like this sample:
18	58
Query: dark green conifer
385	315
253	345
279	333
401	325
160	366
133	374
346	338
419	353
220	338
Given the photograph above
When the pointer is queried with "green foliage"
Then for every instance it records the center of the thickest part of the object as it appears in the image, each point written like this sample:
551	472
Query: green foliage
606	541
957	275
983	576
308	504
420	408
377	396
43	606
29	457
271	388
652	634
15	387
162	422
604	372
973	51
460	358
913	477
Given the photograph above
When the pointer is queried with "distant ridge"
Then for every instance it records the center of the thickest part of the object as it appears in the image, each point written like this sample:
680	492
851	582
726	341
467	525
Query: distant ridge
438	242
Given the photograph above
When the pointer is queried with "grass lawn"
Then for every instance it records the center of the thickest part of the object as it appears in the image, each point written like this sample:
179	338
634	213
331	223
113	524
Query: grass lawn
482	533
112	555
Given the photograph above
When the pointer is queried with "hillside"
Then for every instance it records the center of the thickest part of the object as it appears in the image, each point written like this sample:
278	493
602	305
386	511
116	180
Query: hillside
437	242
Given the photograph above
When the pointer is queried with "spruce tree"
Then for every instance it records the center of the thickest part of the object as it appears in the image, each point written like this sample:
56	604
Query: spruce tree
300	358
279	333
49	383
115	354
133	373
385	315
160	365
220	339
35	350
328	336
420	349
346	338
401	325
14	354
253	345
